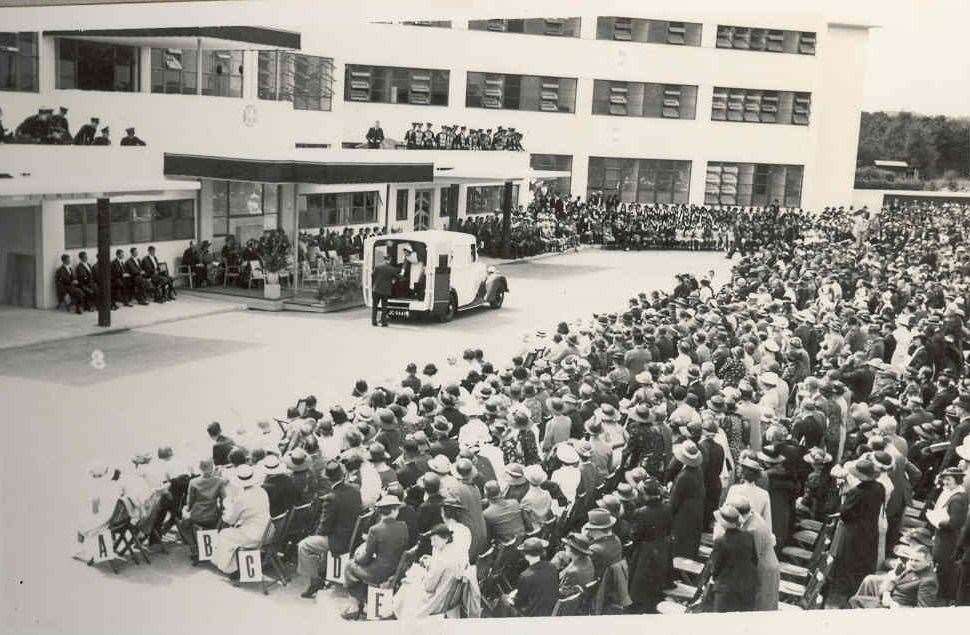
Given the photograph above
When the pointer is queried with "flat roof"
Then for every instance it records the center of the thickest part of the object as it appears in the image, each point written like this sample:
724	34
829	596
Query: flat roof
187	36
294	171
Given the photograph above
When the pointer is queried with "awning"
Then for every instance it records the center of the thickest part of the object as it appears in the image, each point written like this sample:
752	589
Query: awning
291	171
212	37
93	187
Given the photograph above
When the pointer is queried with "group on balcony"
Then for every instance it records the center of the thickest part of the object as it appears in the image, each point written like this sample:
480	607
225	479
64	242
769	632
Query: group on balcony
47	128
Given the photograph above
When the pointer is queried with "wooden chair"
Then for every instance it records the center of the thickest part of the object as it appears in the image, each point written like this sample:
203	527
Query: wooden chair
569	605
362	525
256	273
270	548
230	272
183	272
300	524
129	540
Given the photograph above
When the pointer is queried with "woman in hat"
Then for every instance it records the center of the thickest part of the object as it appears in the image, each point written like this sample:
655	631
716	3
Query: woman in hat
452	511
579	570
687	501
427	585
537	502
949	516
769	573
244	520
734	561
821	497
278	483
651	564
750	485
781	493
859	545
520	444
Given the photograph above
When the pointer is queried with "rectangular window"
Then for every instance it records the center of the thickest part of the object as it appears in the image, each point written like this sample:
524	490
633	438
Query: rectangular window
131	223
401	211
484	199
84	65
561	185
238	204
18	62
304	80
626	29
174	71
222	73
635	99
760	106
396	85
556	27
444	204
769	40
345	208
520	92
640	180
753	184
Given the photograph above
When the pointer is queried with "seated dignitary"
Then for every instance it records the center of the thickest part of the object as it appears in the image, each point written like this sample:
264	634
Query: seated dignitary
377	558
538	589
245	517
161	281
909	584
427	586
68	287
201	510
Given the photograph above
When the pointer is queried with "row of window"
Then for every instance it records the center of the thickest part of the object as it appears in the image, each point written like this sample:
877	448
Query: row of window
345	208
767	40
640	180
177	71
304	80
237	204
396	85
145	222
18	62
636	99
753	184
520	92
560	27
648	31
761	106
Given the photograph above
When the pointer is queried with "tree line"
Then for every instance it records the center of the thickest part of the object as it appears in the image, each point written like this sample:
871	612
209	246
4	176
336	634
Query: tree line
938	146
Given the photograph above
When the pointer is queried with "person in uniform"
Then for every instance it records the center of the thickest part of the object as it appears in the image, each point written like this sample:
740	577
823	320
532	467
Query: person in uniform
164	289
35	128
67	284
139	284
85	134
375	136
411	136
130	139
103	139
120	279
458	141
485	140
382	281
428	138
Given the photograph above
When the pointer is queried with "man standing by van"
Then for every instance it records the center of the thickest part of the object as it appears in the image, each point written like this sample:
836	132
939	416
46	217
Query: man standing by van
381	281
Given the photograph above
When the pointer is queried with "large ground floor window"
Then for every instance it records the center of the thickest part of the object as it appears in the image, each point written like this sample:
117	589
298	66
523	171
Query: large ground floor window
640	180
244	209
753	184
342	208
487	199
142	222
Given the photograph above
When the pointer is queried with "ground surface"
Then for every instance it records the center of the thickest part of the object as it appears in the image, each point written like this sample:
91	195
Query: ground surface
163	384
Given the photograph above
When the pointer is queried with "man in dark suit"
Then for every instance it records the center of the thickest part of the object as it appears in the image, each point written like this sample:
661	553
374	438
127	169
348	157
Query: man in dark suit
444	443
164	289
605	548
340	510
67	285
377	559
915	586
120	280
86	279
139	285
103	139
221	444
734	564
503	516
538	588
282	491
381	280
713	464
450	412
429	512
375	136
85	134
412	465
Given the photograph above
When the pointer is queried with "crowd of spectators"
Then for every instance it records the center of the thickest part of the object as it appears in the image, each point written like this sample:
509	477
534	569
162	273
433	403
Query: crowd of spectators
795	437
48	128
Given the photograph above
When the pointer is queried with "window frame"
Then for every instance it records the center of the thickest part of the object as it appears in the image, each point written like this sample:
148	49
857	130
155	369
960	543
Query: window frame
641	180
180	212
310	90
766	40
756	192
21	79
395	85
761	106
505	89
61	77
338	209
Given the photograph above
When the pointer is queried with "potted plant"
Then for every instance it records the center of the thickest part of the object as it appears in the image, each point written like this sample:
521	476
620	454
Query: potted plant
274	248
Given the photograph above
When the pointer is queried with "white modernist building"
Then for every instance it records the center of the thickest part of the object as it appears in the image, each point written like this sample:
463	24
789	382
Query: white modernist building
249	111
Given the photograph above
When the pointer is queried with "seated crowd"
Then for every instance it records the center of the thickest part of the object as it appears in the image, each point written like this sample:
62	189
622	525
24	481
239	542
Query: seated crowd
132	278
47	128
797	438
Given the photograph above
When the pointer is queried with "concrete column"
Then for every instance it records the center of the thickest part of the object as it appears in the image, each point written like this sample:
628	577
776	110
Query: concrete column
698	179
204	210
289	214
47	61
580	176
49	244
144	69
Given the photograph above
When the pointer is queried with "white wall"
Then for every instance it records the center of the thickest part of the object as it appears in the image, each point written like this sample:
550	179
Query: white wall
214	125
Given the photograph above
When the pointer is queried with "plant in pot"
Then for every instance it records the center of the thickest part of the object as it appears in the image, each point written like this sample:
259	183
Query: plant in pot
275	250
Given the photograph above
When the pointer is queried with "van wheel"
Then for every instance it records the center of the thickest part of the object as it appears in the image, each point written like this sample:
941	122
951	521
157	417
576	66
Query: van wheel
449	315
497	301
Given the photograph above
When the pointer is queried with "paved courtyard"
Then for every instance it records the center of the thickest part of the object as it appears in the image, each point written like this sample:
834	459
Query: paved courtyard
163	384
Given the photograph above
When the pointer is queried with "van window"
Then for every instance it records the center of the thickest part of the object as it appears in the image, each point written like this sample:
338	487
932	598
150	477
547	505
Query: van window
474	252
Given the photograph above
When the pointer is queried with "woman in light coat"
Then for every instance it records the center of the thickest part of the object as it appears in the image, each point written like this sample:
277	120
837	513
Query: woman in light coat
428	584
245	519
769	573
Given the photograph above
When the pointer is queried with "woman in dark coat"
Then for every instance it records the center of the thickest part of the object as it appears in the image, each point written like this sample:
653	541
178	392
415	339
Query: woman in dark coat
687	501
859	544
650	566
781	493
734	564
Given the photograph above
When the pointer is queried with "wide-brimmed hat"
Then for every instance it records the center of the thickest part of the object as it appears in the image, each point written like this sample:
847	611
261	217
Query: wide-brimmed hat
297	460
818	456
769	379
626	492
917	536
639	413
534	546
555	404
771	455
439	464
651	489
750	463
863	469
387	418
593	426
599	518
728	516
584	449
953	471
716	403
535	475
515	473
688	454
464	470
388	500
271	464
882	461
244	475
441	425
606	412
567	454
579	542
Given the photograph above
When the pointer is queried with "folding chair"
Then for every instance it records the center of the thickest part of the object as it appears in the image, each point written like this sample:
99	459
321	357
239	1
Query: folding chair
129	540
184	271
407	559
300	525
362	525
270	547
231	272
